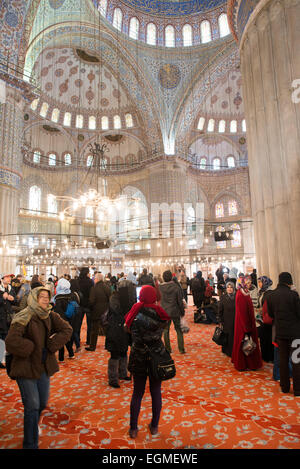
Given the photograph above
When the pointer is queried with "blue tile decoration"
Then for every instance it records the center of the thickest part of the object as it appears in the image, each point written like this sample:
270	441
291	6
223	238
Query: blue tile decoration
8	178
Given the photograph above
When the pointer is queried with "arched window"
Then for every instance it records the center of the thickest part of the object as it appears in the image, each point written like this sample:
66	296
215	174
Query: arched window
203	163
231	162
216	164
128	120
151	34
222	125
236	242
92	123
52	159
201	123
232	208
117	19
36	156
52	204
187	35
67	119
34	104
104	123
233	126
103	7
219	210
34	198
223	25
205	31
89	213
44	109
170	36
103	163
117	122
55	115
134	28
219	231
211	125
79	121
244	128
68	159
89	160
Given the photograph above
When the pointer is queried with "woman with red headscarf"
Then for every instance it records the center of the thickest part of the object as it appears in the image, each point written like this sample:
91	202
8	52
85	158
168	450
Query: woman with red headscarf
146	321
244	324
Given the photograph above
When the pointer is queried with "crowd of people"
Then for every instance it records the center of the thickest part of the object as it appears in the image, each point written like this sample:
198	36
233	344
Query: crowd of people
41	317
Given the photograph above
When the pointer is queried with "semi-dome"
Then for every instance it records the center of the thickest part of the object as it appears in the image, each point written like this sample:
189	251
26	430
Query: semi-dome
173	7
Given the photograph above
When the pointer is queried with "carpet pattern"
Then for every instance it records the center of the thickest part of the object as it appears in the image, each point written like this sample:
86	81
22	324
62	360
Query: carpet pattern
207	405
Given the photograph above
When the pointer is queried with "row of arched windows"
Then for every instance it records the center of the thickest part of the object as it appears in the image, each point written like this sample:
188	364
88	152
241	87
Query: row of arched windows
79	118
169	32
221	127
231	209
51	159
202	163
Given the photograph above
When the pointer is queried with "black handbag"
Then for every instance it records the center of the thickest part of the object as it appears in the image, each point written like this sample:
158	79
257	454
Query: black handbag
197	317
219	337
161	364
8	362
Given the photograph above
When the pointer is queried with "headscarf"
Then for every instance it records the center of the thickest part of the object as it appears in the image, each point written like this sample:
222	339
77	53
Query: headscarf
148	299
63	287
33	308
266	283
231	295
241	284
199	274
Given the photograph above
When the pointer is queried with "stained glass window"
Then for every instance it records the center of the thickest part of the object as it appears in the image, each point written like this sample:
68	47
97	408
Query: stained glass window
34	104
232	208
52	159
244	128
128	120
117	19
201	123
79	121
55	115
151	34
134	28
92	122
117	122
68	159
170	36
104	123
231	162
205	31
187	34
67	119
217	164
202	163
233	126
89	160
220	244
34	198
44	109
222	125
223	25
219	210
37	157
103	7
211	125
236	242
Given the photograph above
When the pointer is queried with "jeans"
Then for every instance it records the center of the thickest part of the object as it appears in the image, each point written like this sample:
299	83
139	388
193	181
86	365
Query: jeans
276	372
180	340
35	395
285	352
137	396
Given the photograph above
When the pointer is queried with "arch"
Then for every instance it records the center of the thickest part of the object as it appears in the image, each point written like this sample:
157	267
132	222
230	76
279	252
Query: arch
169	36
187	35
151	34
134	28
118	19
205	31
224	29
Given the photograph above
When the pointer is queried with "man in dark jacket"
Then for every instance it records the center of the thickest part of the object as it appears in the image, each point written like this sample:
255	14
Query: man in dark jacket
99	301
198	288
85	285
146	279
7	300
284	306
172	303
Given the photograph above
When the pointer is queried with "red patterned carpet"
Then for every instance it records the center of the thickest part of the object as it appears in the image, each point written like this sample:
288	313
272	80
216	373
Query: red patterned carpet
207	405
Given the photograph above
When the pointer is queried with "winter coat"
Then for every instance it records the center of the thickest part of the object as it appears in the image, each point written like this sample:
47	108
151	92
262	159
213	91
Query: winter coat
146	280
60	307
6	310
99	299
146	331
117	338
85	285
26	343
198	289
171	299
183	282
284	306
226	317
245	324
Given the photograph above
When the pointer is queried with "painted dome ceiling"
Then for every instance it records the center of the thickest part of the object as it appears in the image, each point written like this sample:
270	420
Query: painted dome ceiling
173	7
72	79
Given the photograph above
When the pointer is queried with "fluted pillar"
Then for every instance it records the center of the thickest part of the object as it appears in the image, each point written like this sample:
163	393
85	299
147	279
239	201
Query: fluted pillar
270	62
11	128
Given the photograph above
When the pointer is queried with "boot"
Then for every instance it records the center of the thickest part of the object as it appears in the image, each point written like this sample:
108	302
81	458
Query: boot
123	369
113	373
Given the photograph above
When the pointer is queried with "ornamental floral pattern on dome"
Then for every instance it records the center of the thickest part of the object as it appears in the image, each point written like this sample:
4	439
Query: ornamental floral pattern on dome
173	8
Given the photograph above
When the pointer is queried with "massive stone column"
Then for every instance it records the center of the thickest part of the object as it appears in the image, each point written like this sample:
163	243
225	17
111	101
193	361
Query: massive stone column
11	128
270	62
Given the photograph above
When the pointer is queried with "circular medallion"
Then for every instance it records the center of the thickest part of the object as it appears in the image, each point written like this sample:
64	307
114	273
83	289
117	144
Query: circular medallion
56	4
169	76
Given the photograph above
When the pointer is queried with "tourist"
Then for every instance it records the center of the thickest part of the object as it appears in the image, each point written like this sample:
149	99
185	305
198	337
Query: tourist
99	301
36	282
146	279
198	288
36	333
7	300
253	291
254	277
265	331
146	324
117	338
226	316
171	302
284	306
244	325
66	304
85	285
184	284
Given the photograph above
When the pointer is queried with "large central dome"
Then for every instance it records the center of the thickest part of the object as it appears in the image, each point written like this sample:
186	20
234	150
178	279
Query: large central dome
173	7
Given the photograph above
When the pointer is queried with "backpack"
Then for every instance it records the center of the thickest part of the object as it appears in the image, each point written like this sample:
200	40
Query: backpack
71	310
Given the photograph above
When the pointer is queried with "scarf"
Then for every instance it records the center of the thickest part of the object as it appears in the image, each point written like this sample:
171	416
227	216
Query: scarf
241	285
266	283
63	287
3	289
230	295
33	308
148	299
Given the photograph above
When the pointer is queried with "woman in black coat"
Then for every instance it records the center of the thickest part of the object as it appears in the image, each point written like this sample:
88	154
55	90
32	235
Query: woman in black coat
146	325
226	316
117	339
